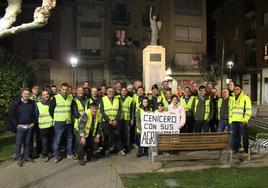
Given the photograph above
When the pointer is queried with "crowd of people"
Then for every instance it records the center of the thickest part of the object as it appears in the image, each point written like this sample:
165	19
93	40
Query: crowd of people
87	123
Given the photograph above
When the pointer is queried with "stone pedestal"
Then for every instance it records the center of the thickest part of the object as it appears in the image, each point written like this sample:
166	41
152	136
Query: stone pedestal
154	70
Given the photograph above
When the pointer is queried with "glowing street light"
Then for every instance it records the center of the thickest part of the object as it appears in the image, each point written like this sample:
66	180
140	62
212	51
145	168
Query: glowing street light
73	61
230	65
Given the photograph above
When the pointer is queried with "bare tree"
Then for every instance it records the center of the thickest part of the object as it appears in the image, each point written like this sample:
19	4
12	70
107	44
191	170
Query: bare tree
13	9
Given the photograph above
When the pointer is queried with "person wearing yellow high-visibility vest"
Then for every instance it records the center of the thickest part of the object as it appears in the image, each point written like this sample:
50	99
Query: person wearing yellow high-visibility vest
45	123
89	133
126	119
166	100
79	105
110	108
35	96
241	114
187	101
144	107
164	88
224	110
94	98
60	111
203	110
53	89
137	98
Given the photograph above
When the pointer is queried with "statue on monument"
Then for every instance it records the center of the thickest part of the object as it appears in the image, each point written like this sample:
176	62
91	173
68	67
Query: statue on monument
155	28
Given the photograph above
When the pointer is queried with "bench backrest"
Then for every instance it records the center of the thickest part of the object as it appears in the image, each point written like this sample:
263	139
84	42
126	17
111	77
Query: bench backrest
192	141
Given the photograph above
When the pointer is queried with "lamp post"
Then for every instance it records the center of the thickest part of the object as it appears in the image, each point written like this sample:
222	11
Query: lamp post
230	65
74	62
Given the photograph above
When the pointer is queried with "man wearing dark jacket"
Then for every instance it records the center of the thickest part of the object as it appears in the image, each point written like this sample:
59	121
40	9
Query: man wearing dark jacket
21	121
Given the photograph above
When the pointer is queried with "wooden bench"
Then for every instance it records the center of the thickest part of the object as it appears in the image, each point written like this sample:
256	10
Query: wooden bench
190	142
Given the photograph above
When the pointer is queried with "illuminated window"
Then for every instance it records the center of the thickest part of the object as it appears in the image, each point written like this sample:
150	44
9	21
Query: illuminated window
265	51
120	36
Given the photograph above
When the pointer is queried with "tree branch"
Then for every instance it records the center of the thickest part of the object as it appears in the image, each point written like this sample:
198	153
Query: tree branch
12	10
41	15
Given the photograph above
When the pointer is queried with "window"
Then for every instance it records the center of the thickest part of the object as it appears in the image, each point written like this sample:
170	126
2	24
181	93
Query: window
195	34
188	7
120	14
187	61
265	18
265	52
90	46
188	33
120	37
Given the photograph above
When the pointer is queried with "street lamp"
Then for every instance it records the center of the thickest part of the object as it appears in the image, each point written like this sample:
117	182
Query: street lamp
230	65
74	62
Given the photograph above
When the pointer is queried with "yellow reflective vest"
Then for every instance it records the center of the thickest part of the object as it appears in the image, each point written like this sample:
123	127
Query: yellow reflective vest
207	108
62	110
111	108
187	106
126	105
241	108
81	110
219	104
44	118
88	127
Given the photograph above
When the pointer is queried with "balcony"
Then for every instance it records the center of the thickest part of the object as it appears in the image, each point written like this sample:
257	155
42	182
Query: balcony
121	18
87	53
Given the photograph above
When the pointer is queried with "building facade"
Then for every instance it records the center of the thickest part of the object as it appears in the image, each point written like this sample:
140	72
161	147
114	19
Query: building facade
242	31
108	37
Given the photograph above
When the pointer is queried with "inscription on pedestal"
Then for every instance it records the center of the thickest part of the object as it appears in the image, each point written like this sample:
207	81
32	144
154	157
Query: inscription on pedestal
155	57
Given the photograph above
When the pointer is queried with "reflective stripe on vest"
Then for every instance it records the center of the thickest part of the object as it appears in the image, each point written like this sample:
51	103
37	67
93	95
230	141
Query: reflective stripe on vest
126	104
44	118
62	110
88	125
207	108
81	110
110	109
187	106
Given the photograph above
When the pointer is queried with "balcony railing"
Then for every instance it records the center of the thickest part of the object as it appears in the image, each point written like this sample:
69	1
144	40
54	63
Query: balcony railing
121	18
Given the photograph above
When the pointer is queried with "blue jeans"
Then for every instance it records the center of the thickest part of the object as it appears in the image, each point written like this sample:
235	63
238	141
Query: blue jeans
59	129
222	124
23	136
239	129
201	126
141	150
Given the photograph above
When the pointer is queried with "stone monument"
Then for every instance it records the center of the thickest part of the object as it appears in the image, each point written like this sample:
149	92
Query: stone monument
154	57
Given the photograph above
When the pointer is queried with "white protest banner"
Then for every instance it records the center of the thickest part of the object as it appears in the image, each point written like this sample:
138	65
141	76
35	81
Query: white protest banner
158	122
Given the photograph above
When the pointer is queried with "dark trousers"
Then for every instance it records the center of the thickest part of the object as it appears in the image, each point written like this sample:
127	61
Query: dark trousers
223	124
58	130
189	125
124	134
47	135
141	150
213	125
36	135
111	136
201	126
132	134
84	149
239	129
23	137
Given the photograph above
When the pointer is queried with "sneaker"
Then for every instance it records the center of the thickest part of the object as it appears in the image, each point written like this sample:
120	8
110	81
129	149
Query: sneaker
46	159
71	157
122	153
20	163
82	163
56	160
